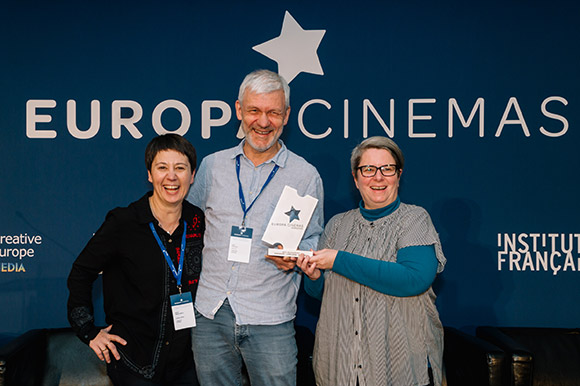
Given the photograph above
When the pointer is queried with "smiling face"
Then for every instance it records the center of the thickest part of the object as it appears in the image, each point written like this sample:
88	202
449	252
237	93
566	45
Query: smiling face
378	191
171	176
263	117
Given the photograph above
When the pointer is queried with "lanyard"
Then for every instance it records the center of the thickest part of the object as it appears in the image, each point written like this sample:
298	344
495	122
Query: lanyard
241	192
176	273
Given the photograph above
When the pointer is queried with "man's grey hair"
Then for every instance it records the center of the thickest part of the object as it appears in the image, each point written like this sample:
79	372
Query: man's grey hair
264	82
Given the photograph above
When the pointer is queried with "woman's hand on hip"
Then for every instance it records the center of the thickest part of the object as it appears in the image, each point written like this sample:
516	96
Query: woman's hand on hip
103	345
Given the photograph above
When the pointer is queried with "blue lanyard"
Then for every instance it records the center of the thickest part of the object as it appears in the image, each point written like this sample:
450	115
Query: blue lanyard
176	273
241	192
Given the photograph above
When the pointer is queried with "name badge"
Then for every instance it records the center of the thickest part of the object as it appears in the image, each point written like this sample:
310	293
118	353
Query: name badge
240	244
182	308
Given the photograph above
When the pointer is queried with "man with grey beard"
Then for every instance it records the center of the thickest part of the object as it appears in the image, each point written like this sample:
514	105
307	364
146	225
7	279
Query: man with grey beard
246	303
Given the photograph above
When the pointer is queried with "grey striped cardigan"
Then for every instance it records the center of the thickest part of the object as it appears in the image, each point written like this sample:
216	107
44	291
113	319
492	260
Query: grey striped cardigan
379	339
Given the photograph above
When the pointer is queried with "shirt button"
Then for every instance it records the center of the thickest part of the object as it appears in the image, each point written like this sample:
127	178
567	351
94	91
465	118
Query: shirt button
167	343
170	240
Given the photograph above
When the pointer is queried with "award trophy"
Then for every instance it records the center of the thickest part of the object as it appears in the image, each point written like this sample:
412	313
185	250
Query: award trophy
288	223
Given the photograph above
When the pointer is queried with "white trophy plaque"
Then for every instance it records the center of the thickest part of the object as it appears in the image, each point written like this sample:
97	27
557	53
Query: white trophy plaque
289	222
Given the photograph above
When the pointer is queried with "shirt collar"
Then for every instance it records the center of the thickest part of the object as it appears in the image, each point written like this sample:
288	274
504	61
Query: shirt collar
144	210
279	159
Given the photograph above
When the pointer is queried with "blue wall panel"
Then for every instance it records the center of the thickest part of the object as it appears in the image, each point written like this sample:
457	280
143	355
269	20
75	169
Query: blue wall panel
415	70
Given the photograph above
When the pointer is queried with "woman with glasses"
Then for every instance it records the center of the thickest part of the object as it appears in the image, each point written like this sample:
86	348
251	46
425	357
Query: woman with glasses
378	321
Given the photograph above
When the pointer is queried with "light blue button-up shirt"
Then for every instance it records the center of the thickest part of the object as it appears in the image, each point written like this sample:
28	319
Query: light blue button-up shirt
258	292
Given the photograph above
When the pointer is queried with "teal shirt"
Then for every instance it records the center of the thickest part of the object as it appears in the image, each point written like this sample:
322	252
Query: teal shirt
412	273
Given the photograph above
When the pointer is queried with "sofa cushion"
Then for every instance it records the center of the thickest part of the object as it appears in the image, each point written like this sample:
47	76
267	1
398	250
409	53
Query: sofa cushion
70	362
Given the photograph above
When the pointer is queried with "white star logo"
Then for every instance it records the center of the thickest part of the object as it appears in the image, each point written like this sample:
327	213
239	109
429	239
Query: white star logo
294	50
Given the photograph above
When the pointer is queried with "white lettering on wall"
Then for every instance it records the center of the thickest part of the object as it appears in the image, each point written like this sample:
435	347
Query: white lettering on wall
129	123
71	120
534	252
301	119
413	118
126	114
554	116
32	118
206	120
367	105
171	104
453	106
520	121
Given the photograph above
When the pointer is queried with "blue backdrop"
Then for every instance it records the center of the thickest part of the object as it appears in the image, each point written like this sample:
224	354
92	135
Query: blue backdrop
482	97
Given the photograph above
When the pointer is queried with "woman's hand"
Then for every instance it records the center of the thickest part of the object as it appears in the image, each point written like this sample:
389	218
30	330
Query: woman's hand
324	259
103	345
308	267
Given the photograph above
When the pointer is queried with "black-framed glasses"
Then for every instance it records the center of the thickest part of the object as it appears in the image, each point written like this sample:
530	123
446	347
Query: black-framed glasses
371	170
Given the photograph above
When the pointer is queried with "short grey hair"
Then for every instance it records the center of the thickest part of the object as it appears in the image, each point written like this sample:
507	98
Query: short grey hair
264	82
377	142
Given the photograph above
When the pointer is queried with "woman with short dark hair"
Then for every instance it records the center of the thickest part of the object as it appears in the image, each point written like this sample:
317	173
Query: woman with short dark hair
149	254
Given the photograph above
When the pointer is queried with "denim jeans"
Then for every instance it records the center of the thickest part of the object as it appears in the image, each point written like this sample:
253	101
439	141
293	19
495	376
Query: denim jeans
220	345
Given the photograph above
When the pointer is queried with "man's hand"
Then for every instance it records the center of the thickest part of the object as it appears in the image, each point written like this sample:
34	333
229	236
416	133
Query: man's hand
284	263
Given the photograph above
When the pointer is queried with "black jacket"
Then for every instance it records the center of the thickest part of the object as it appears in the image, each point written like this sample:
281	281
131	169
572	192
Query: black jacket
137	283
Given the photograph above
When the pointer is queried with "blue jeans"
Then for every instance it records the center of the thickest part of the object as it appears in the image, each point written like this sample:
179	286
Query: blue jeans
220	345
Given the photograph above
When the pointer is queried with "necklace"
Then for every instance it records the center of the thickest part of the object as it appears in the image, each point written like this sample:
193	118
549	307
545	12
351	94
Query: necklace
167	227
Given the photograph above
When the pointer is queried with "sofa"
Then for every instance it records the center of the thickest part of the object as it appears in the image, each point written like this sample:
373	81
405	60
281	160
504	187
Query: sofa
537	356
471	361
52	357
494	356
